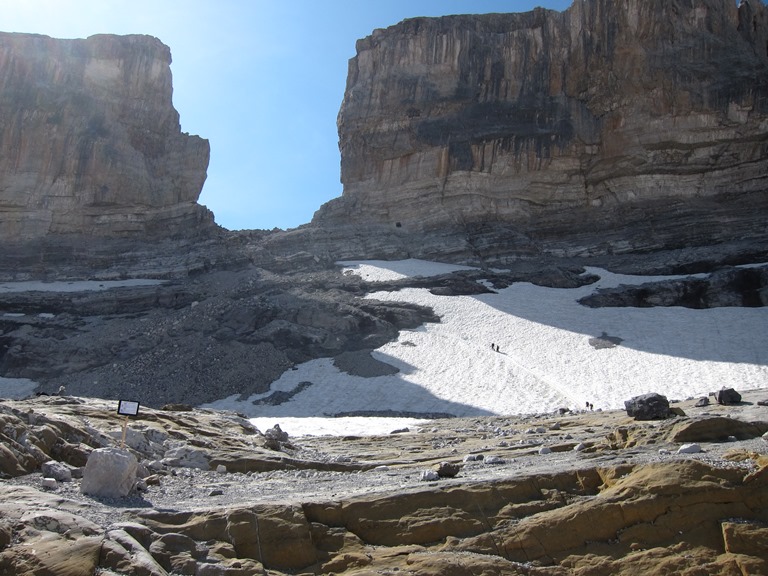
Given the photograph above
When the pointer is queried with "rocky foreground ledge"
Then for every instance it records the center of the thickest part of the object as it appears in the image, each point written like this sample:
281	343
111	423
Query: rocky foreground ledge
573	493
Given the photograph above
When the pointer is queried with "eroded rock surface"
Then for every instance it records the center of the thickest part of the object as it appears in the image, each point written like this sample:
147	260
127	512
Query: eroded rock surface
610	495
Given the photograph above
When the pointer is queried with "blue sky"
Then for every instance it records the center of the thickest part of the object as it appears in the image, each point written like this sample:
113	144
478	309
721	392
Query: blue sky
261	80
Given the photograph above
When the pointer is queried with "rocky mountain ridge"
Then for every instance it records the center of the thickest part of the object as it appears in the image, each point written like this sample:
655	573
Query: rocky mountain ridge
91	143
646	120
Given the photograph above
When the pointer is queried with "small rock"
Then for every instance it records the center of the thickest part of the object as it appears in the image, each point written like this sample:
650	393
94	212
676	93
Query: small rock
473	457
216	492
703	401
221	469
494	460
447	469
545	450
152	480
555	426
762	402
50	483
428	476
664	451
277	433
689	449
580	447
57	470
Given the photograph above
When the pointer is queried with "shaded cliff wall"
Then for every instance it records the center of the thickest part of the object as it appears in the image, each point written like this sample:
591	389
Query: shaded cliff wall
613	113
91	143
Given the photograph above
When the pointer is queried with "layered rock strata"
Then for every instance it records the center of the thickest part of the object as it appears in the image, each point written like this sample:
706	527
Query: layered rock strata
91	143
612	126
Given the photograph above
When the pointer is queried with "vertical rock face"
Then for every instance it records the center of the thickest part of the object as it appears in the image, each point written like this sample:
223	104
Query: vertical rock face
90	141
611	113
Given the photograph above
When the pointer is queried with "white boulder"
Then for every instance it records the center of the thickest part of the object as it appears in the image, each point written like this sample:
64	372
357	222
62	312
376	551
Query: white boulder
109	473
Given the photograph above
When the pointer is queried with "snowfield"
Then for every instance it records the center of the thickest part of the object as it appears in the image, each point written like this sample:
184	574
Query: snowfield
553	353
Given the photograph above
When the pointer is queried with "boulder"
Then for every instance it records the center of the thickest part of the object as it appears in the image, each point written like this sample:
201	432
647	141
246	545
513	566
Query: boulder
650	406
727	396
109	473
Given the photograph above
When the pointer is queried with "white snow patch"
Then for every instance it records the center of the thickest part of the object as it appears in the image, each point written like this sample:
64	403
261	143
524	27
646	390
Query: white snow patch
344	426
545	359
384	271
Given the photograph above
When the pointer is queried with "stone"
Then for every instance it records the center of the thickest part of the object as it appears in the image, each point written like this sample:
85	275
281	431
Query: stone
447	469
650	406
702	402
116	161
689	449
109	473
168	550
49	483
429	476
715	429
57	470
545	450
276	433
727	396
187	457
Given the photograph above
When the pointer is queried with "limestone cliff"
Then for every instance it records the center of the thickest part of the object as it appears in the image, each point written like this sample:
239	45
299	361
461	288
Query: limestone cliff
91	143
647	120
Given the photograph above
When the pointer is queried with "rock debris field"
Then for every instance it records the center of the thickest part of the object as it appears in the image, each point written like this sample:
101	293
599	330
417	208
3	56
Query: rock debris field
198	465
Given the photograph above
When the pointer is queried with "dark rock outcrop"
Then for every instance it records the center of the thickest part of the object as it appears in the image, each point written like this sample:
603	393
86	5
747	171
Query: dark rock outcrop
746	287
610	127
650	406
91	142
